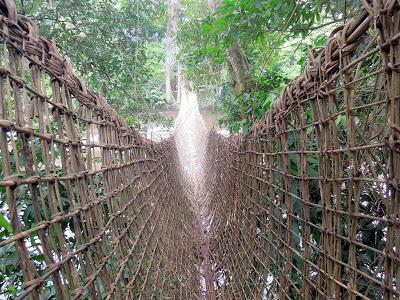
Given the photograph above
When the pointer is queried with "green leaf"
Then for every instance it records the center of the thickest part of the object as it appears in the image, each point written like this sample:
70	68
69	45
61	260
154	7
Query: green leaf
4	223
246	128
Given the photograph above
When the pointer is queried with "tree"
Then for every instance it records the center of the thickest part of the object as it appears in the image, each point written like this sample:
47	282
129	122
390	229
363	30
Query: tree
114	44
238	63
256	42
171	50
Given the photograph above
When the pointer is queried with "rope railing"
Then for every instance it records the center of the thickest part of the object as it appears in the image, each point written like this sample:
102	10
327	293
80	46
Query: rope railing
96	211
306	205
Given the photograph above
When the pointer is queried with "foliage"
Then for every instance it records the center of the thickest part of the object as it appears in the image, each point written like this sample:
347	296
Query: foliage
115	44
10	268
240	112
273	36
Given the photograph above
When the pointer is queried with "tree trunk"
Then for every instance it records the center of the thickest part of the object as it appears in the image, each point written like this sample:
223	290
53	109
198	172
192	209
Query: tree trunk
240	69
238	64
171	50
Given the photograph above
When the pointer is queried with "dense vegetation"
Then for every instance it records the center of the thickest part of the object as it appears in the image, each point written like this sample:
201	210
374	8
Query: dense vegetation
241	53
237	54
116	45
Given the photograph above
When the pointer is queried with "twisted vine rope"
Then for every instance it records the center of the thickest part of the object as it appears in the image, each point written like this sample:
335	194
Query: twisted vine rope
110	215
306	206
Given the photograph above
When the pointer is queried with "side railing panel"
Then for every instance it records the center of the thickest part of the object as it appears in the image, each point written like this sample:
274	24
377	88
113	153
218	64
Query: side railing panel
306	205
95	210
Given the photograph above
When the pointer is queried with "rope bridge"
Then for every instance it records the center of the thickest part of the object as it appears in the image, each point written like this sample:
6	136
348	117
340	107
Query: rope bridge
305	206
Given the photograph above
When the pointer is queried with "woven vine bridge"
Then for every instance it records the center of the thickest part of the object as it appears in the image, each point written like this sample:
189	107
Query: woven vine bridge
305	206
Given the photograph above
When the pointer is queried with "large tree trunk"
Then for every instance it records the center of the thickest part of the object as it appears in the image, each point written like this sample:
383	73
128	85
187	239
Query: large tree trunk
238	64
171	50
240	69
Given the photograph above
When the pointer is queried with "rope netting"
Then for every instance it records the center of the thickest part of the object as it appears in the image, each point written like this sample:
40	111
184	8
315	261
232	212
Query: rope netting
306	205
96	211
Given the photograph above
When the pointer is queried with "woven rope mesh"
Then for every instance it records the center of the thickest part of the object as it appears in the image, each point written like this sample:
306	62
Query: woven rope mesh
111	216
305	206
